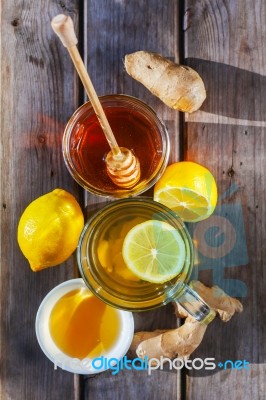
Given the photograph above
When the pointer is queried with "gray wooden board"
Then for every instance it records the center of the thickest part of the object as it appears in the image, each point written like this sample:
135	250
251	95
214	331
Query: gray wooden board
37	97
224	42
113	30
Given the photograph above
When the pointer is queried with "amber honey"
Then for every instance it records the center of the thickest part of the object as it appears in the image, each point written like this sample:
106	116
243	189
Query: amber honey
131	131
83	326
135	126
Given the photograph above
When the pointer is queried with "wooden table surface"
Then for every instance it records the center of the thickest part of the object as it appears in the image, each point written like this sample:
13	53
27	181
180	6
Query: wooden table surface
224	40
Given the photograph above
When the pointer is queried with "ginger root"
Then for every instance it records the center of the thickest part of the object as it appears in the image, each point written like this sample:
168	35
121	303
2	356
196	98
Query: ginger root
178	86
224	305
182	341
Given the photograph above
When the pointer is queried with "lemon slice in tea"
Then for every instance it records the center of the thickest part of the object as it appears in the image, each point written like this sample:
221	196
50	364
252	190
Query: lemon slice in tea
154	251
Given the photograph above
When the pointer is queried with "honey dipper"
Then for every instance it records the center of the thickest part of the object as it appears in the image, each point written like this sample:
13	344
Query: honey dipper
122	165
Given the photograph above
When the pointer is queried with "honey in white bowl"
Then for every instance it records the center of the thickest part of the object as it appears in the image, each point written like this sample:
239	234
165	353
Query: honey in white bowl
77	331
82	326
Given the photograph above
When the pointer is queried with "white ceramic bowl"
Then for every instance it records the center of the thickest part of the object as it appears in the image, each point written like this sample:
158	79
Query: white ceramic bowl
62	360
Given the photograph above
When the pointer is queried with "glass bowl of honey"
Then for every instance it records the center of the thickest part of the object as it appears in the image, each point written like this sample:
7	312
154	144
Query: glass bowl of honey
135	125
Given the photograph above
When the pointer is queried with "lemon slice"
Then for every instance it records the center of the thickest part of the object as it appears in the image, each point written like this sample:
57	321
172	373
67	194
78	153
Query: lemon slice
154	251
188	204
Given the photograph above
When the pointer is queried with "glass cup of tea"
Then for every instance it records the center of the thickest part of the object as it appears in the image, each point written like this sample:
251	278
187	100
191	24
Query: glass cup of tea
104	271
135	126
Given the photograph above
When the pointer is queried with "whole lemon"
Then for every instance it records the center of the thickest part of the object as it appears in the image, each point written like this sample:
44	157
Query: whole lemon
49	229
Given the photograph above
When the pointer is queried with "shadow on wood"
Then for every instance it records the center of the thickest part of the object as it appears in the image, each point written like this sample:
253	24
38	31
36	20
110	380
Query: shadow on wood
227	89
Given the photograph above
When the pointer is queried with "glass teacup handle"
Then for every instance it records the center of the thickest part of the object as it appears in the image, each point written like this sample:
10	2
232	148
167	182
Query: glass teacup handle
194	304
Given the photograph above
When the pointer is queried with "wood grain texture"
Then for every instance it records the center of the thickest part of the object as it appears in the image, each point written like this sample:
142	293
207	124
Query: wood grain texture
38	96
112	30
224	42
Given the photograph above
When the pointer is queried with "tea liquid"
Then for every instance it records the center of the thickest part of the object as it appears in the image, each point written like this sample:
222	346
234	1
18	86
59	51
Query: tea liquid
132	130
109	246
82	326
101	262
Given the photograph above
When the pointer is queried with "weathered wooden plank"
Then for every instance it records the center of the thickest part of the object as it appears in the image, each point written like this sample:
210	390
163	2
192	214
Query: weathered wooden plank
38	95
112	30
224	41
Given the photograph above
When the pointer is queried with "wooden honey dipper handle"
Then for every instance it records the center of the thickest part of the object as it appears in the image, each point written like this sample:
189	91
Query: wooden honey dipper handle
63	26
122	166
